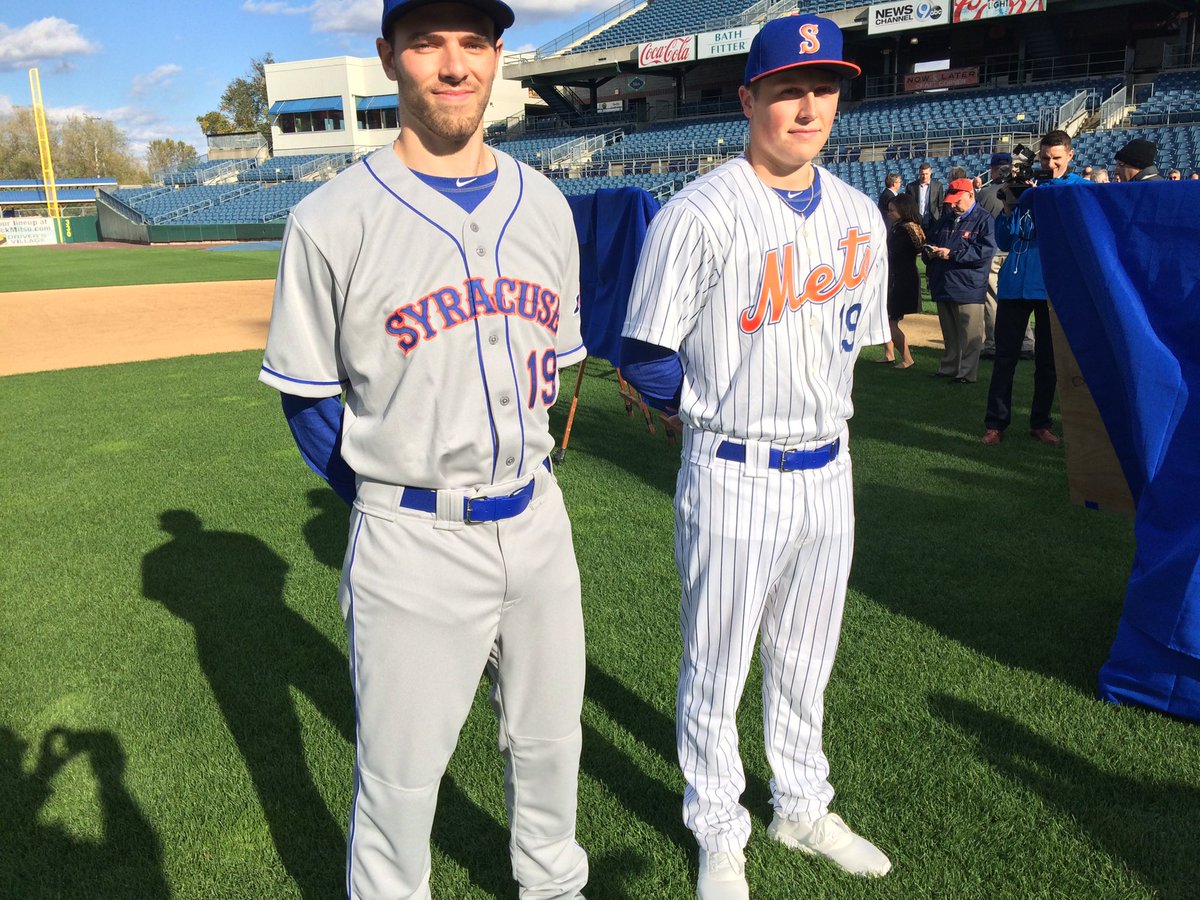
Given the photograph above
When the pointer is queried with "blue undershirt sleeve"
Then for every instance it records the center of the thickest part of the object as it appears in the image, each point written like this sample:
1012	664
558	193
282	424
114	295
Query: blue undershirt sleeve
655	371
316	425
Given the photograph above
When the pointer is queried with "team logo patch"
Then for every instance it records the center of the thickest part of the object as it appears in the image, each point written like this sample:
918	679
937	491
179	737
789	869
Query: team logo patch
780	290
809	42
449	306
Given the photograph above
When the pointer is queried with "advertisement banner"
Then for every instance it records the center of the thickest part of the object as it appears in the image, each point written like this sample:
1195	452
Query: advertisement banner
727	42
27	231
946	78
904	16
664	53
974	10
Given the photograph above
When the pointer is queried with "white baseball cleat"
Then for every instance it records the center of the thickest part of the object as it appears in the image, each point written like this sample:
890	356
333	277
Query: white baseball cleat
832	838
722	877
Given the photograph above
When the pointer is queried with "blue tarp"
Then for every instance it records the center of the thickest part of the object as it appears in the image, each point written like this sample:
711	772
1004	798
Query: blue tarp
39	196
1122	267
315	104
611	226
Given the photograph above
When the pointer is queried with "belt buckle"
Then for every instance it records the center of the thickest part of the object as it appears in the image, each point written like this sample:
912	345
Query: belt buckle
467	509
783	454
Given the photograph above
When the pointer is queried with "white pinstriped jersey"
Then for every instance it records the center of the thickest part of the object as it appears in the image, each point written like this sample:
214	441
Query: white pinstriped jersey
444	328
767	309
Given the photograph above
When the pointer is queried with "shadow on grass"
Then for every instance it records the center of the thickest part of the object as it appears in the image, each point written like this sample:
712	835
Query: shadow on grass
41	859
327	531
1149	825
253	649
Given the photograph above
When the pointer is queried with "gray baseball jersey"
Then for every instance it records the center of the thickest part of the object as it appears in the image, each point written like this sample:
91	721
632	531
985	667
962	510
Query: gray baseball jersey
388	290
767	309
445	329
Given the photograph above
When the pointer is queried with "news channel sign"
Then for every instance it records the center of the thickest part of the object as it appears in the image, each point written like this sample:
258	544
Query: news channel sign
886	17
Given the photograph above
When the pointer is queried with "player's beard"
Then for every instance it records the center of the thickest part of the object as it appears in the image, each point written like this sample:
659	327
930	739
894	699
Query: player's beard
453	125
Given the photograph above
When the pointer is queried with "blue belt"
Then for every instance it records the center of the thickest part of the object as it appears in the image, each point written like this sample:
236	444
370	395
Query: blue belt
784	460
475	509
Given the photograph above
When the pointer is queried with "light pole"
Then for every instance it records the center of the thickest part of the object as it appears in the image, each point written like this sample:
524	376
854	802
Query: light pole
95	143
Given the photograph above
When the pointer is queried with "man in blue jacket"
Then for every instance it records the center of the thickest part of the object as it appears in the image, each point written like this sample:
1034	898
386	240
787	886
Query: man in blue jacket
1021	292
958	258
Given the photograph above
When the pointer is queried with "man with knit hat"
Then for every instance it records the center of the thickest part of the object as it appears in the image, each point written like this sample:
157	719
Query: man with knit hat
1135	161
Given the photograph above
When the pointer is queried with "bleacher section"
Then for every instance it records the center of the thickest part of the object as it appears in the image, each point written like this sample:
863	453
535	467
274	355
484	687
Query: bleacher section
1178	146
660	19
296	168
947	115
207	171
575	186
1176	100
265	205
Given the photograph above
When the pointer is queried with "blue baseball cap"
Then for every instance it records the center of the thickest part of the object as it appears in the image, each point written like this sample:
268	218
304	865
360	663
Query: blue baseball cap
497	11
1001	159
793	41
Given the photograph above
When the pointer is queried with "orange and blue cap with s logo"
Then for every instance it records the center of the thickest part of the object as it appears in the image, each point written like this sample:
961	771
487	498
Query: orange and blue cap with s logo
797	41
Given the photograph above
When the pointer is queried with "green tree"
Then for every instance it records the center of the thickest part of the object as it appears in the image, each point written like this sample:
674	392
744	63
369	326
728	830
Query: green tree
96	147
214	122
243	104
168	155
19	157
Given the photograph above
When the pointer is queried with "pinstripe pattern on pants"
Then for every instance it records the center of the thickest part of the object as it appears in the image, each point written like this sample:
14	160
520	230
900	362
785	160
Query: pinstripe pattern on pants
767	554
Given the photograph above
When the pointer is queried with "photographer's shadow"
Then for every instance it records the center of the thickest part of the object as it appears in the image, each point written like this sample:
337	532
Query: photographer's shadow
44	860
253	649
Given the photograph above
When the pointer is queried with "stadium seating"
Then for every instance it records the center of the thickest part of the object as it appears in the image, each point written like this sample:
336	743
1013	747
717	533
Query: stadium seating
1178	146
269	204
1176	99
295	168
660	19
200	174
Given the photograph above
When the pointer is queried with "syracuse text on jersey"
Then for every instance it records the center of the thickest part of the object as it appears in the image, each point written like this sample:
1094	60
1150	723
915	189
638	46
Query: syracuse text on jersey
779	290
449	306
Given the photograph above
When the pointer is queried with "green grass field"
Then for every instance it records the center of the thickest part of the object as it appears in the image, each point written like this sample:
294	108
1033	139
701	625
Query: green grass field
43	269
176	721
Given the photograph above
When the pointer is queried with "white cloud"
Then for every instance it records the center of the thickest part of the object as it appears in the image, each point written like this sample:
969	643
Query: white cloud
161	77
6	105
355	16
43	40
273	8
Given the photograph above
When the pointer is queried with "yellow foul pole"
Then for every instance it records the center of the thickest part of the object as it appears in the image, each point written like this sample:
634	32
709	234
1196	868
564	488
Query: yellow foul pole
43	138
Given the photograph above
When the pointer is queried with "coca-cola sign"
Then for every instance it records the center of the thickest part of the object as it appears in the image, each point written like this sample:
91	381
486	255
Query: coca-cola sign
669	52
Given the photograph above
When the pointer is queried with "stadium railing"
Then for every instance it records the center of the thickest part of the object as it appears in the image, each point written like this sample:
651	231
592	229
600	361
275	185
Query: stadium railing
1112	110
574	151
120	207
579	32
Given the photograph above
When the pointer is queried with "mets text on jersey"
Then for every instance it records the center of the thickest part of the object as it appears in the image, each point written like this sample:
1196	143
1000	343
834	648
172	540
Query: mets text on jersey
449	306
778	289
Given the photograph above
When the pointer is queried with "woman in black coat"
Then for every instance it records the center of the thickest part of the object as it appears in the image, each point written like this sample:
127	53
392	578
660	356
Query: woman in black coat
905	238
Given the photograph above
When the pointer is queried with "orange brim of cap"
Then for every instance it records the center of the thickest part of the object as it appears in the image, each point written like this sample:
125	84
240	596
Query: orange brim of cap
850	68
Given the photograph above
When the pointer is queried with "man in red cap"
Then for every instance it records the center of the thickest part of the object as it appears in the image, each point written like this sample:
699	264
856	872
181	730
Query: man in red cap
958	258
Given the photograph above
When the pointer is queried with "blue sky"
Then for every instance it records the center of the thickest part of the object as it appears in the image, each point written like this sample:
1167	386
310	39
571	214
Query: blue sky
152	66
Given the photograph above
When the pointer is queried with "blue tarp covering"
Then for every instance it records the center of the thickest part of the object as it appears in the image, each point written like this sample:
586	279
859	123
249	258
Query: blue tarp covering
39	196
60	182
611	226
314	104
1122	267
384	101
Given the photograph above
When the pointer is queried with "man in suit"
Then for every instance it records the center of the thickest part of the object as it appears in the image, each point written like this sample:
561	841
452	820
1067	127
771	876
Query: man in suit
929	194
891	189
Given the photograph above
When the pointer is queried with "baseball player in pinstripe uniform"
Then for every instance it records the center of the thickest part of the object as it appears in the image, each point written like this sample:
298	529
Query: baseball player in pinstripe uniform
436	285
756	287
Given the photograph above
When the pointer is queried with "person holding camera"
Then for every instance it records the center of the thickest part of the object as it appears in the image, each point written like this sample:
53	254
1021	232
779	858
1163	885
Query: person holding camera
957	259
991	198
1021	292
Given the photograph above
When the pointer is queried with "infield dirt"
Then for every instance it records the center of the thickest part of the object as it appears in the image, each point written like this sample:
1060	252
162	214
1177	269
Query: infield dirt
65	329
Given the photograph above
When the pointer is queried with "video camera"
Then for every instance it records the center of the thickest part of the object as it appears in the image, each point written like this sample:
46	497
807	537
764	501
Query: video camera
1022	172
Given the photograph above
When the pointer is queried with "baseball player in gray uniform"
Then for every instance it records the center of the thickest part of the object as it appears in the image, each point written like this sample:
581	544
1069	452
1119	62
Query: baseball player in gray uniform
435	284
762	280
